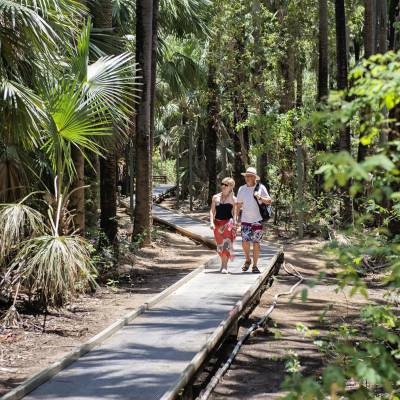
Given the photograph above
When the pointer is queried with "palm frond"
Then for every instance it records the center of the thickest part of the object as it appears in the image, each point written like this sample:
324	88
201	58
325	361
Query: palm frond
184	17
22	110
17	223
55	268
71	120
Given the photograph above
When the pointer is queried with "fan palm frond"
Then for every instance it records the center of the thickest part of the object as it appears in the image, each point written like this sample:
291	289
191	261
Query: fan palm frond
17	223
55	268
71	121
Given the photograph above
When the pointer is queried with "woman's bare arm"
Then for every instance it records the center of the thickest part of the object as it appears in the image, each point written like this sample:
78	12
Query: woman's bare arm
212	213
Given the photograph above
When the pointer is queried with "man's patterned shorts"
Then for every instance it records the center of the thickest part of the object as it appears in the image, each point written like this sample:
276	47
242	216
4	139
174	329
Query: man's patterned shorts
252	232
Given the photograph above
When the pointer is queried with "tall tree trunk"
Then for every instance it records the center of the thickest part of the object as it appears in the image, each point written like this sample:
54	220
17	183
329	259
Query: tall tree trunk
102	19
299	85
383	27
370	46
341	54
369	28
153	78
144	46
323	76
238	166
323	70
211	138
393	15
288	74
108	197
77	199
258	78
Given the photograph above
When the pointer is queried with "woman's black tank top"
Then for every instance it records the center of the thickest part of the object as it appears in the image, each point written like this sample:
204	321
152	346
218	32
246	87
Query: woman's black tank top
223	211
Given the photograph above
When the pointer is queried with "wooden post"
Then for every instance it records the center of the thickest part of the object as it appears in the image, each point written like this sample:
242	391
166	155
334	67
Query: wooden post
300	191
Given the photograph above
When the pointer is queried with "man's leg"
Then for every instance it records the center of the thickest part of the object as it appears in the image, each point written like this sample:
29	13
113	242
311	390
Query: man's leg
256	252
246	249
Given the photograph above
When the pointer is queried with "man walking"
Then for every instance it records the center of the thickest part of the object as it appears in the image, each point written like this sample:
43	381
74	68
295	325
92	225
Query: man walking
251	220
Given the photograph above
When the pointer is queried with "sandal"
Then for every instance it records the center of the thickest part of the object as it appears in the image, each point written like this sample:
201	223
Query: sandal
246	265
255	269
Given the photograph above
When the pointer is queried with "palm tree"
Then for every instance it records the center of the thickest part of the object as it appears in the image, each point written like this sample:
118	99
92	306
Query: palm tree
144	46
31	34
102	20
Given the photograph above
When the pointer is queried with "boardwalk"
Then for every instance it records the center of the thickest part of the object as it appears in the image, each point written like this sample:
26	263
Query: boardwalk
145	359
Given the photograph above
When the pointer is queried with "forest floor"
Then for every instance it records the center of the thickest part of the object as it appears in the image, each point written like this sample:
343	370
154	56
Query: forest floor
139	276
260	368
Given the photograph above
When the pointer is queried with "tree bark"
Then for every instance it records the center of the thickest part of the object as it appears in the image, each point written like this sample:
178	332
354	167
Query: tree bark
102	19
77	199
238	166
262	158
108	197
211	138
382	38
299	85
144	48
370	28
393	15
323	77
342	65
323	70
288	74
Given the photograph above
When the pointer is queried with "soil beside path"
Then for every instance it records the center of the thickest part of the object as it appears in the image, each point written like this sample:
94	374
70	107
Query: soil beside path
25	351
259	369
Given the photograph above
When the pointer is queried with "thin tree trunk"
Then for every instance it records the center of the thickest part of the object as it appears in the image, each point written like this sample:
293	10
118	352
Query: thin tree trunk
77	199
300	189
238	165
178	175
341	54
323	70
288	73
108	197
369	28
144	46
190	155
393	15
383	28
211	138
299	85
153	79
102	19
323	77
259	87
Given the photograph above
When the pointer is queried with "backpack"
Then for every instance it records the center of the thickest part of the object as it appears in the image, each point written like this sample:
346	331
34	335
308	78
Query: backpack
265	209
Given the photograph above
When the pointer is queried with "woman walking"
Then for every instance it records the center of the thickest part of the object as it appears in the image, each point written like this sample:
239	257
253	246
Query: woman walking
222	219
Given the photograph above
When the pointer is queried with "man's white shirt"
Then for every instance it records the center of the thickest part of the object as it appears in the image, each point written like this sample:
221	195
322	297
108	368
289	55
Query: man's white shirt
250	210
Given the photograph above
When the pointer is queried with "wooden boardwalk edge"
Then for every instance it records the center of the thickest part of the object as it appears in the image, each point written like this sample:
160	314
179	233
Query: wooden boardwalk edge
47	373
224	327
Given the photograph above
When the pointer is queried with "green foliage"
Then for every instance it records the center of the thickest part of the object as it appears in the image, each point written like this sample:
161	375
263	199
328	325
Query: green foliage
164	167
367	354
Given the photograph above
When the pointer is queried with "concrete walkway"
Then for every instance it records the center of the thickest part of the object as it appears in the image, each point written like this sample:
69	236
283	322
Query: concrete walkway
146	359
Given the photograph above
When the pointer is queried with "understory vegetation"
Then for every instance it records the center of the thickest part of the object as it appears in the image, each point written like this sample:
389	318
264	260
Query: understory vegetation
95	105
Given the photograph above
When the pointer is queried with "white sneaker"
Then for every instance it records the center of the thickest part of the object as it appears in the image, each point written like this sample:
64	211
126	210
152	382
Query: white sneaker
224	271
